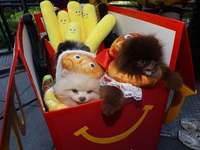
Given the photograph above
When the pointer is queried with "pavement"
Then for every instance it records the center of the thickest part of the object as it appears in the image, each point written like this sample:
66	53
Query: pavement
38	137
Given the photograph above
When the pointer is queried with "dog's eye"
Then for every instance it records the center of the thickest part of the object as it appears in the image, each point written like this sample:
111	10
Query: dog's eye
77	56
128	36
91	64
141	62
89	92
75	90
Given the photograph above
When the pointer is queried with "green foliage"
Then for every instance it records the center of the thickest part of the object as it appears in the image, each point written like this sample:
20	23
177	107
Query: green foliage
187	14
13	16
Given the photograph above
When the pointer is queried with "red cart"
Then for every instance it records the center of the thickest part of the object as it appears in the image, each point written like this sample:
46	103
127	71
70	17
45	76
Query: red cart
138	125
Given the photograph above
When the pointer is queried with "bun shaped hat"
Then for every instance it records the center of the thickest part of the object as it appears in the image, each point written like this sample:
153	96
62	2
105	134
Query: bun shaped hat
79	61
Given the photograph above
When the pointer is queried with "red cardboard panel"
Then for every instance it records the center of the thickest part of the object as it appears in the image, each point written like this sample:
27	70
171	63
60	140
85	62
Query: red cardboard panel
85	125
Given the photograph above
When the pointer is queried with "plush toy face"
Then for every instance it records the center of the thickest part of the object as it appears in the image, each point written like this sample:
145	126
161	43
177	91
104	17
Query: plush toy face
82	63
73	31
78	12
117	43
63	21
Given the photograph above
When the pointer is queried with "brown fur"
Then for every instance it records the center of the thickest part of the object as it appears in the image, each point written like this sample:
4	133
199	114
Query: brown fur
143	56
112	101
140	56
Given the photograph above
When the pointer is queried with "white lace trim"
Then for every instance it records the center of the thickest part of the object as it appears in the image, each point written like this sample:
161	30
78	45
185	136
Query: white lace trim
128	89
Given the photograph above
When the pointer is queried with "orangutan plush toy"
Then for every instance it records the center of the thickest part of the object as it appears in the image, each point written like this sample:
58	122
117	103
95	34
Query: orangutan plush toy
134	61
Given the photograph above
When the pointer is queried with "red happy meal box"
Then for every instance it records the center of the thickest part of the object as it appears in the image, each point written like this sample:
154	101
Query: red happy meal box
137	125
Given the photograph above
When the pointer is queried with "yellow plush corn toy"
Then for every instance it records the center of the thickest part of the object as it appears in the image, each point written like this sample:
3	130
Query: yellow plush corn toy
51	23
73	32
102	29
63	21
89	18
75	14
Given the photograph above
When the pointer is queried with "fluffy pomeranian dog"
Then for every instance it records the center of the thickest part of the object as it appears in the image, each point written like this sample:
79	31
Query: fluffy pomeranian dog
142	55
76	88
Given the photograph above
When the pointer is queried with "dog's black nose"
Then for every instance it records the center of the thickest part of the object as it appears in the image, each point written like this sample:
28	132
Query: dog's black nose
82	99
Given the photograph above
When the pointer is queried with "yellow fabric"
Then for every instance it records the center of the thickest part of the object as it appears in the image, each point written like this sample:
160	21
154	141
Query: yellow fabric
92	32
73	32
51	101
75	14
51	23
89	18
96	4
101	30
63	21
89	31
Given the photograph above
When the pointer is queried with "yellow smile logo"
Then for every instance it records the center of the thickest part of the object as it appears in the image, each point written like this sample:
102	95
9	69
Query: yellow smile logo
83	131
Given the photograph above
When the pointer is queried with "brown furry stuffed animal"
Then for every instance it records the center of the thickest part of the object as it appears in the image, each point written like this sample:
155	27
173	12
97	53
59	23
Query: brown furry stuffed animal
138	56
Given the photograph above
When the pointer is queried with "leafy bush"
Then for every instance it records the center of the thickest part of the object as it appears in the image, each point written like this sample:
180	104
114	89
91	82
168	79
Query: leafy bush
12	16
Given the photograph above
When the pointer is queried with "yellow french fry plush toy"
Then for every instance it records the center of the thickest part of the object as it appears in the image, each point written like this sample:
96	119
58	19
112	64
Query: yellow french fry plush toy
89	18
51	101
102	29
75	14
63	21
51	23
73	32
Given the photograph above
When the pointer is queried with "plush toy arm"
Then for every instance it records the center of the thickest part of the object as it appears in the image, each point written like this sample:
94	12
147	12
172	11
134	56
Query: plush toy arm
63	21
73	32
51	23
75	14
89	18
102	29
51	101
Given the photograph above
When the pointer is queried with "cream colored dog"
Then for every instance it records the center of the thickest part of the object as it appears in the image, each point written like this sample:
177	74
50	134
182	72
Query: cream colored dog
76	88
